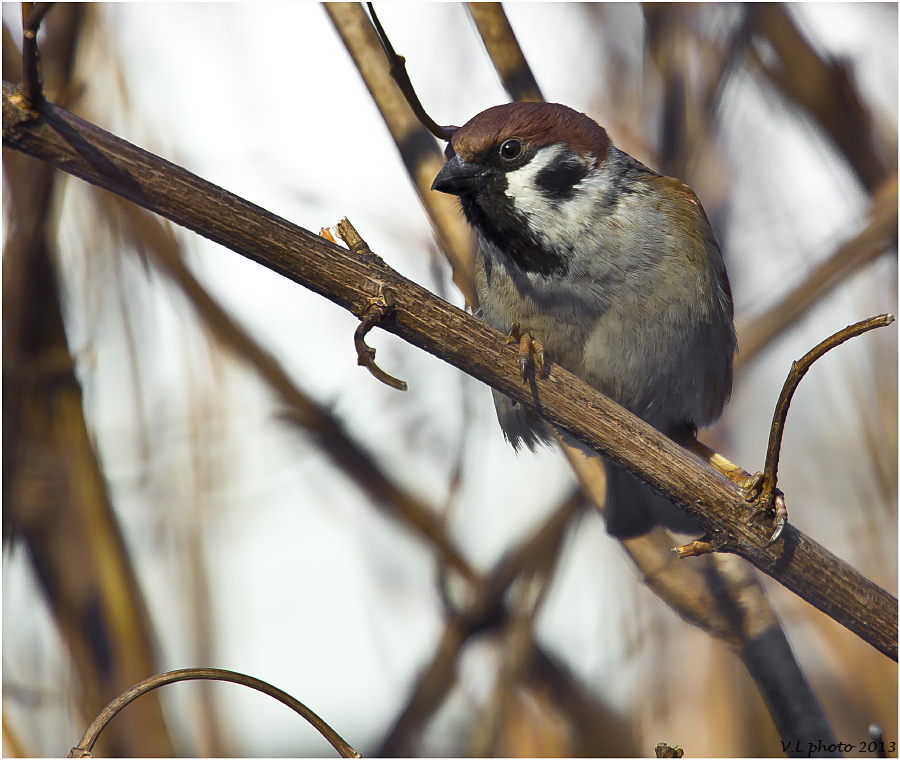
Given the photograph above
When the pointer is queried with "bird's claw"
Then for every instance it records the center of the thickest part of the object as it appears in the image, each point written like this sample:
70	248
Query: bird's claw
754	489
531	351
781	517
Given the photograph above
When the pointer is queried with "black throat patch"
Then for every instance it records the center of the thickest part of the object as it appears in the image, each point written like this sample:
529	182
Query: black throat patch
493	215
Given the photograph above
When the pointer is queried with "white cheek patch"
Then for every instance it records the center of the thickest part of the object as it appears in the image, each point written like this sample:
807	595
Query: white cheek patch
555	222
522	188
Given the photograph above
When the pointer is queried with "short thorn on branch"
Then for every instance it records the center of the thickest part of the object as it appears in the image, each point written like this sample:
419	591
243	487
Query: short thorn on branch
377	311
698	547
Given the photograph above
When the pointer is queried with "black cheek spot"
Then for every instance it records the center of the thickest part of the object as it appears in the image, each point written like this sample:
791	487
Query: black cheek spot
557	180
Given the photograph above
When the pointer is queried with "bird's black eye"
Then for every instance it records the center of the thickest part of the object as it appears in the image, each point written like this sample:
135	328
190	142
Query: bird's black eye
511	149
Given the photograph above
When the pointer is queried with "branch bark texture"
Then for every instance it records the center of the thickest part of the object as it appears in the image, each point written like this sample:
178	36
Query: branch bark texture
351	280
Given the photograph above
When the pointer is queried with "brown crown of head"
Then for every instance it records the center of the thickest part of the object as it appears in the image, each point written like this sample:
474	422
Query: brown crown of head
536	124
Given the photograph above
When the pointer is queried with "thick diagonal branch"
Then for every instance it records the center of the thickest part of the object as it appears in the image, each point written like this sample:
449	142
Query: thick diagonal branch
424	320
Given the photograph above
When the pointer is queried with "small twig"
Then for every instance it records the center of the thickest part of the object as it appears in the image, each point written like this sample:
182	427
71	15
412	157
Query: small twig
32	88
399	74
84	747
352	238
365	354
379	310
696	548
798	370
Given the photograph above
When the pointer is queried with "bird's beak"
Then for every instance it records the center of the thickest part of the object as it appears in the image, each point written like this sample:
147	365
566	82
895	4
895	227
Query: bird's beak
458	177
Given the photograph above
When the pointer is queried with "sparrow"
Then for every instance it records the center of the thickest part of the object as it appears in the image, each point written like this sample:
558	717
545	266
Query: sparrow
601	265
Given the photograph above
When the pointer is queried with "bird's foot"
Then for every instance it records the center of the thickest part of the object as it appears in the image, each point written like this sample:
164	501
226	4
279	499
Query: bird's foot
531	351
752	487
755	491
776	510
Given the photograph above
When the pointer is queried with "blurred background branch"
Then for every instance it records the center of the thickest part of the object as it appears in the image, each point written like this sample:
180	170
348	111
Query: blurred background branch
55	498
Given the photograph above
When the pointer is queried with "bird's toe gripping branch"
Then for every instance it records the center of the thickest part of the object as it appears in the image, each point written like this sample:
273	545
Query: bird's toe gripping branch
769	501
531	351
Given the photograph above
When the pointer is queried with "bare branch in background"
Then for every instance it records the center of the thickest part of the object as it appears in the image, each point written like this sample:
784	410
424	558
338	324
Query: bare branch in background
483	611
54	492
420	153
877	237
517	634
823	87
506	55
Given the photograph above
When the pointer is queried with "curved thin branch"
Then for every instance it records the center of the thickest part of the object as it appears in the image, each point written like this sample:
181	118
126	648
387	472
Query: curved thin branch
397	65
798	370
84	747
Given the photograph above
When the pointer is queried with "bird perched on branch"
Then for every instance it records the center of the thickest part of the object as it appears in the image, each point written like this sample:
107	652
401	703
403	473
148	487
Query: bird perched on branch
595	262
